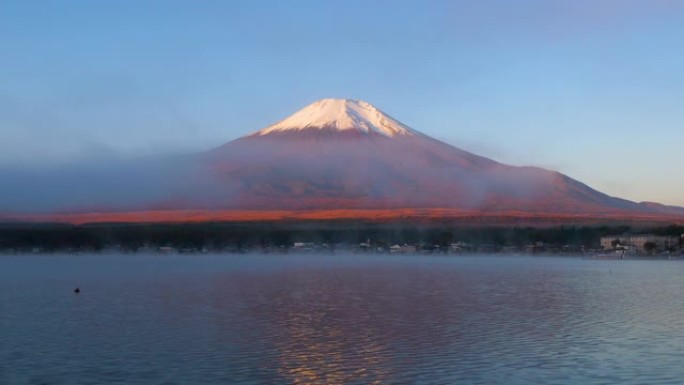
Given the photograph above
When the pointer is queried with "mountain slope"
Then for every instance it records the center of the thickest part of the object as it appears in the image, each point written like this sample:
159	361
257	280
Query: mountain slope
344	153
333	156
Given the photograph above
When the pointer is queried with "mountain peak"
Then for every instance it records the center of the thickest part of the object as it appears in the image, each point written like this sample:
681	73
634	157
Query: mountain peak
340	115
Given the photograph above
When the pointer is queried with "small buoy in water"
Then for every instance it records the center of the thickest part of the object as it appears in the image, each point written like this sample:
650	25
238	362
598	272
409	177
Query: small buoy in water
77	290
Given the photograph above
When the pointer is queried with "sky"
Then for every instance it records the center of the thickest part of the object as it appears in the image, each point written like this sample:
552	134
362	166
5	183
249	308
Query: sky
590	88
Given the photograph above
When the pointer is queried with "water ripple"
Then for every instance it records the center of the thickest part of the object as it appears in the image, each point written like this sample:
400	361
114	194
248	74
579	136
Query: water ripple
308	320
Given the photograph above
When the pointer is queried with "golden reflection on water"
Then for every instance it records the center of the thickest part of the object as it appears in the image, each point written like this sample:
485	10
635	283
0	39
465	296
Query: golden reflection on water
346	327
314	350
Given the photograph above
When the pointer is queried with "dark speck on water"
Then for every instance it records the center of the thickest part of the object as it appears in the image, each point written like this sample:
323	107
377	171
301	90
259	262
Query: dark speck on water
77	290
221	319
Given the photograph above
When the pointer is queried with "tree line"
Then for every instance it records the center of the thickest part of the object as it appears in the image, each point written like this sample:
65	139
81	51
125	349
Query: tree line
241	236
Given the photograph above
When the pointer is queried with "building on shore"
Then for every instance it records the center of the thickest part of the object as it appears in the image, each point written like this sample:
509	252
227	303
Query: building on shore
641	242
403	249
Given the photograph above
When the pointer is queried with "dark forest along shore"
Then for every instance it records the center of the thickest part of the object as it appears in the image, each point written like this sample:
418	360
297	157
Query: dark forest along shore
280	319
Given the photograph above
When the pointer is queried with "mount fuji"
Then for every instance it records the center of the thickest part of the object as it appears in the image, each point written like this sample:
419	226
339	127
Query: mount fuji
333	159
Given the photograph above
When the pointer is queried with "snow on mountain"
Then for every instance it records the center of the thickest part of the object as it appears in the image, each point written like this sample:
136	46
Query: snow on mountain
341	115
334	154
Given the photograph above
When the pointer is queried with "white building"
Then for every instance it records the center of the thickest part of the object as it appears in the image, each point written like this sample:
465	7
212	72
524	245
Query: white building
403	249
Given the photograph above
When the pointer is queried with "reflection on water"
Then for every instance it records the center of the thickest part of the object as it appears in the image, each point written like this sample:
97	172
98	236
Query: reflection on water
308	320
370	326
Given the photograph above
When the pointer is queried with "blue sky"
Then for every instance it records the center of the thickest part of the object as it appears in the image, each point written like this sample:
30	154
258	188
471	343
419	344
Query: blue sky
594	89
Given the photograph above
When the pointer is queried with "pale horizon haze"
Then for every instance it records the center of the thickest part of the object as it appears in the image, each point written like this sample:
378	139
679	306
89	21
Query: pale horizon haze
593	89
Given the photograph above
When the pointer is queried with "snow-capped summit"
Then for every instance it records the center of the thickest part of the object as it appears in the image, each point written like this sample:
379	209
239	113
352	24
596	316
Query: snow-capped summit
341	115
335	159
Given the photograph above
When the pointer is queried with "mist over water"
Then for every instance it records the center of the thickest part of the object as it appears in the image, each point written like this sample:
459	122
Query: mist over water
283	173
303	169
170	181
340	320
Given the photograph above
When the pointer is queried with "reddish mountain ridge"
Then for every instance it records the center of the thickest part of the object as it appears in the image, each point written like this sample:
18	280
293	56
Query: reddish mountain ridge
338	153
346	156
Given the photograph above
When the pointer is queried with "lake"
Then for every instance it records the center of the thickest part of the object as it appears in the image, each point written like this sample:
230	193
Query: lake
343	319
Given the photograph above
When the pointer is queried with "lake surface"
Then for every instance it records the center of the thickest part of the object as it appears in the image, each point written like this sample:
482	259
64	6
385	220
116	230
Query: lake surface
340	320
